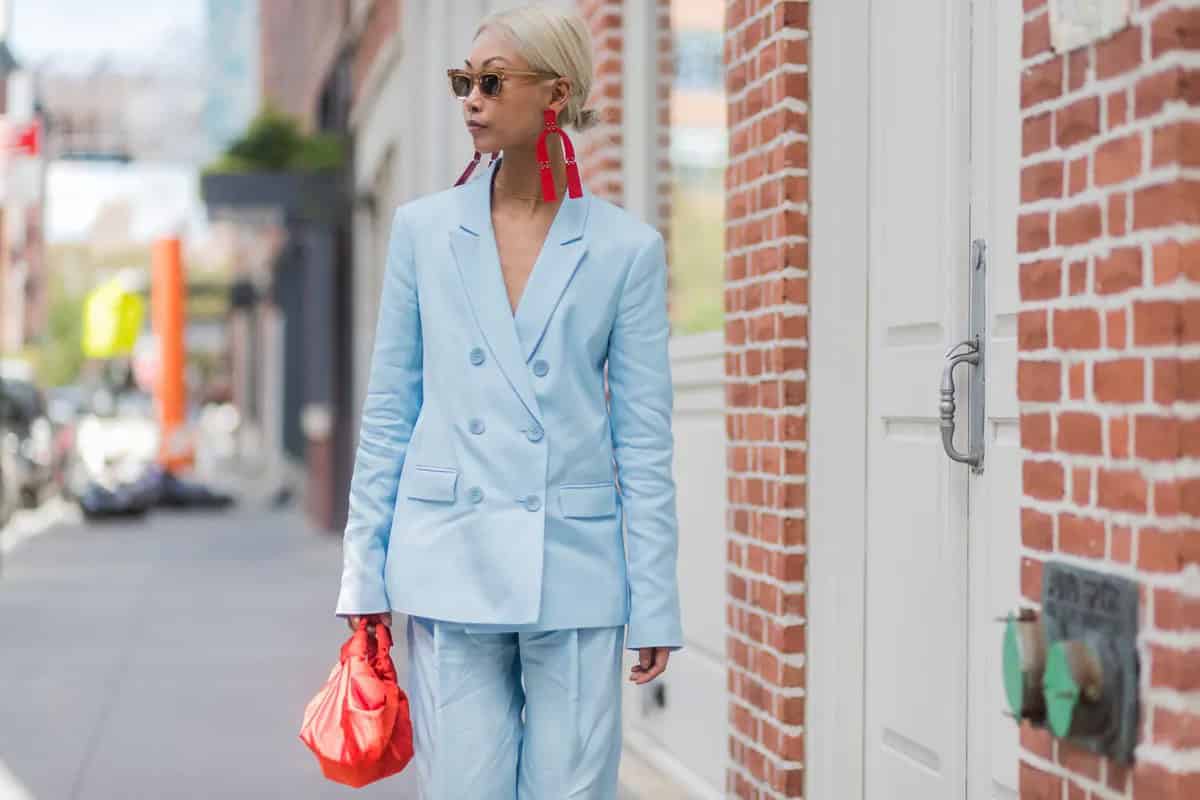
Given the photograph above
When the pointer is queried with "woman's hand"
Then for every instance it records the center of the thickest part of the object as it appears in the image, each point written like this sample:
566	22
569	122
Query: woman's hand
652	662
385	618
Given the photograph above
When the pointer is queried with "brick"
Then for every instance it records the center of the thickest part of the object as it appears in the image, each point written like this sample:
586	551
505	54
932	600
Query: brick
1120	53
1174	29
1041	280
1121	544
1077	122
1166	204
1043	479
1121	490
1115	329
1118	108
1077	381
1039	381
1037	741
1035	38
1160	550
1189	438
1078	66
1169	497
1077	329
1079	224
1176	144
1174	611
1032	330
1168	379
1119	381
1079	432
1119	160
1035	432
1078	278
1033	232
1037	784
1081	536
1120	270
1153	92
1036	133
1042	82
1156	438
1041	181
1176	729
1118	213
1118	437
1189	330
1037	529
1155	781
1156	322
1031	579
1078	761
1174	669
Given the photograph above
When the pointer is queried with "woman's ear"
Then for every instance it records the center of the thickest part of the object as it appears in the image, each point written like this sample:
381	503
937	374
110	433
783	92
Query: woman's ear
560	93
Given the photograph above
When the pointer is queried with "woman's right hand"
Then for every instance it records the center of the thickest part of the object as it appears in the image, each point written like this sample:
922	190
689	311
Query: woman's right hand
385	618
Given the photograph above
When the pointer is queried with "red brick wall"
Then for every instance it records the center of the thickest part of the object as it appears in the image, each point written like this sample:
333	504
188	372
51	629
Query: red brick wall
766	336
299	40
1109	369
599	149
383	22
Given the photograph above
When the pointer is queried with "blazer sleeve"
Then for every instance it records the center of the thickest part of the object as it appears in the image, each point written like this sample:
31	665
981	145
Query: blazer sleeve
639	377
394	397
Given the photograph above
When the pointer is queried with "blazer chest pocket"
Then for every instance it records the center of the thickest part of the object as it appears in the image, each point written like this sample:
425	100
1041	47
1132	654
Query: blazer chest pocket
432	483
588	499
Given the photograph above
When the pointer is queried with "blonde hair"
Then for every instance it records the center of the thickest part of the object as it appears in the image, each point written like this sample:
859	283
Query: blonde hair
556	41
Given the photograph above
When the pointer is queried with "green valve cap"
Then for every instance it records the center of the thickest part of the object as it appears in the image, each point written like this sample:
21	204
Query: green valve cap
1073	680
1024	656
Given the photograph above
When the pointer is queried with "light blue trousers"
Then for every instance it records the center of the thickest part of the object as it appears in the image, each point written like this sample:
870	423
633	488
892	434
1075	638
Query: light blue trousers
530	715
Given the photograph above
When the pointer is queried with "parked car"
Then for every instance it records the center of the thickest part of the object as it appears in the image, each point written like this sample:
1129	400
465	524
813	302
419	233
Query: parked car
23	414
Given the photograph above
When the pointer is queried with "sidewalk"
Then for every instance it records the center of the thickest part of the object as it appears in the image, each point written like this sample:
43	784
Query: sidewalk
169	658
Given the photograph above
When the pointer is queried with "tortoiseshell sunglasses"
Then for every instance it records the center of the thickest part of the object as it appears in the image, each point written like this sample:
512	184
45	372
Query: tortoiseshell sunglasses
491	81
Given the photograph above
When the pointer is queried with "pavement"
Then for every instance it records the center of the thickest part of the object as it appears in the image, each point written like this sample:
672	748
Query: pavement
172	657
169	658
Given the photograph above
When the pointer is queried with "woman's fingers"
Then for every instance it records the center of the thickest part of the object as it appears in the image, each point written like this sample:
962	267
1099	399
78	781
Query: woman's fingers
652	662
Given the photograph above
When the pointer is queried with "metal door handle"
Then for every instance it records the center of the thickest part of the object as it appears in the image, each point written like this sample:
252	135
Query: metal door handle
973	357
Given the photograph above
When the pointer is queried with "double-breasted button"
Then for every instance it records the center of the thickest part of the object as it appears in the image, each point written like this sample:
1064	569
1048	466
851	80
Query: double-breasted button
534	433
477	355
541	367
475	494
533	502
476	425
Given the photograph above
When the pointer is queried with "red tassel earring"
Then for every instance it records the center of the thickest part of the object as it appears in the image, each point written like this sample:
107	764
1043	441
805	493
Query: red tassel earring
471	167
574	184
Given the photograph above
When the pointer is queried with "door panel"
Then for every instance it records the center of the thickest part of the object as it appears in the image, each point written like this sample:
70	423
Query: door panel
995	496
916	575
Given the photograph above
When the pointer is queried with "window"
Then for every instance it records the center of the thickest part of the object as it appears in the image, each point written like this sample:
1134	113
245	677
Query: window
699	144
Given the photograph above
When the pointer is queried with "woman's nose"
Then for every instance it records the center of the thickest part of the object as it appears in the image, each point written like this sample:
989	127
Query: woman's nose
475	98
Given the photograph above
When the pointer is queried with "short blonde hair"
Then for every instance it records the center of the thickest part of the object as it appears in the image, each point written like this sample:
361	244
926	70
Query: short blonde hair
556	41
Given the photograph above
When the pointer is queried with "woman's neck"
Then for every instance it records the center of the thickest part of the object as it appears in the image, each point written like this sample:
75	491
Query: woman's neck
518	181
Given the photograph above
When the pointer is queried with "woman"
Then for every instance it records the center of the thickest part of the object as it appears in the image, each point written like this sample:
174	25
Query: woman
483	502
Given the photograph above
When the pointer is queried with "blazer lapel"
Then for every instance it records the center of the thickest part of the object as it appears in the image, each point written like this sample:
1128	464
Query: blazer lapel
478	260
560	256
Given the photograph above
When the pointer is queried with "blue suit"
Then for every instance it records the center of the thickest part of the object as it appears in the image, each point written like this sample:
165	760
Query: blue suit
492	477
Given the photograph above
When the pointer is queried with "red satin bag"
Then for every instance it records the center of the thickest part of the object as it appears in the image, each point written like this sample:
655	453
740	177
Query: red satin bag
358	725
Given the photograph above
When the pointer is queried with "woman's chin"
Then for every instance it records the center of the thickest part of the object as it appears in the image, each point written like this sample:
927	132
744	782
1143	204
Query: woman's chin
484	141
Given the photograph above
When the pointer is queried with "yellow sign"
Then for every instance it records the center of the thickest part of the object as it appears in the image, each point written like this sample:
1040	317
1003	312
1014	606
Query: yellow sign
112	320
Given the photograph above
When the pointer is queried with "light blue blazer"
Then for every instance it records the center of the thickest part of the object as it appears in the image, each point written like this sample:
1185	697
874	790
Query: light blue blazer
492	476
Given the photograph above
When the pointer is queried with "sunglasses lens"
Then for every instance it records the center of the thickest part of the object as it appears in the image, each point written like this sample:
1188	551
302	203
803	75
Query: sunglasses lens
460	85
489	84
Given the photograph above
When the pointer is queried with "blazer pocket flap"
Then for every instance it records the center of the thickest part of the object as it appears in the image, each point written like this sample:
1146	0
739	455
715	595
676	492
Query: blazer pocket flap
432	483
588	500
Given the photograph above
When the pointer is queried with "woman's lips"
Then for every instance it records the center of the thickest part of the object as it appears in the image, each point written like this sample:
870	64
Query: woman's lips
475	126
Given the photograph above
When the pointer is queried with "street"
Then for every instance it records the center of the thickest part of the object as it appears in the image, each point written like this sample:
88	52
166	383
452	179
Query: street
169	658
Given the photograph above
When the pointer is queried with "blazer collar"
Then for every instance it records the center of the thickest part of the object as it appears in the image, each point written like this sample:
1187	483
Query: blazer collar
514	338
